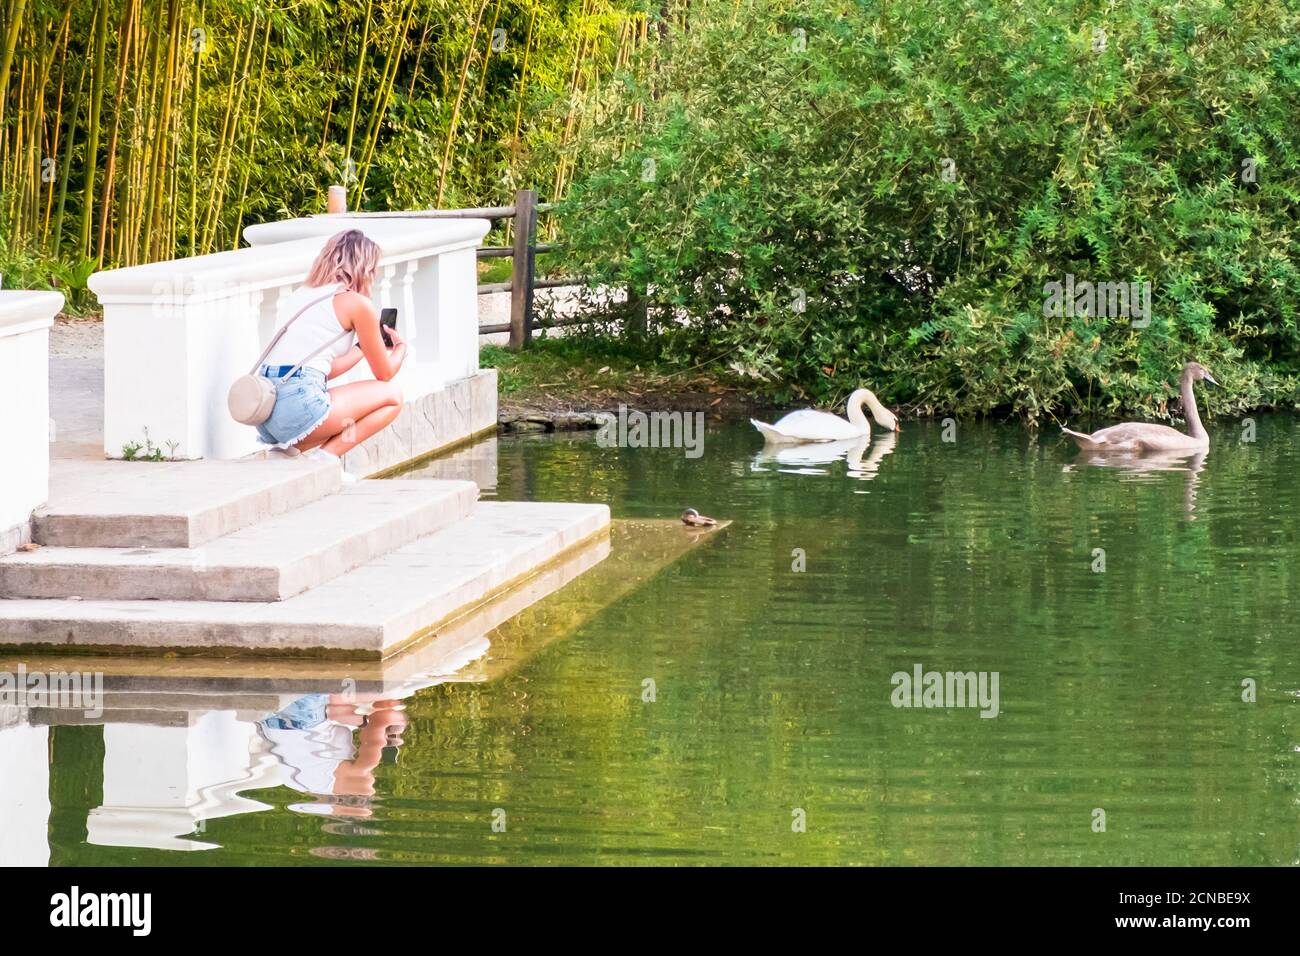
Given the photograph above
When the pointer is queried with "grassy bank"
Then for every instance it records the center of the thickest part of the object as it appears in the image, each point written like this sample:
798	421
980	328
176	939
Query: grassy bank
580	372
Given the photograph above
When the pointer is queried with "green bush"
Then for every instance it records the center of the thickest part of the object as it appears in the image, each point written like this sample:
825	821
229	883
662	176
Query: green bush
821	193
21	268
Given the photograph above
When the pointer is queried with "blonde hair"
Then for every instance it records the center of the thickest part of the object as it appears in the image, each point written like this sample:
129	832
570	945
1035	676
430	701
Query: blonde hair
350	259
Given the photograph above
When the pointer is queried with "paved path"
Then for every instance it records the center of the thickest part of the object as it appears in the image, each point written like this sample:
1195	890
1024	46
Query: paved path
77	389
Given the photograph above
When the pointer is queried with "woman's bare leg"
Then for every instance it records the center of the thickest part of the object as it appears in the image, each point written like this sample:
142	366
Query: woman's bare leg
357	411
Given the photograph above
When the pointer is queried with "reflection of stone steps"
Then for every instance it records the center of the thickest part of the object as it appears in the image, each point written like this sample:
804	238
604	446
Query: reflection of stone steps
514	624
267	556
66	716
181	744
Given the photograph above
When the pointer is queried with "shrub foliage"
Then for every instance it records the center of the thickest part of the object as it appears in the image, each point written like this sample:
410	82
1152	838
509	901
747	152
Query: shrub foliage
820	193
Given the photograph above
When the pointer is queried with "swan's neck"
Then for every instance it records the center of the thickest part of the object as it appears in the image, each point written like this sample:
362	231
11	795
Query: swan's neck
1194	427
878	411
856	418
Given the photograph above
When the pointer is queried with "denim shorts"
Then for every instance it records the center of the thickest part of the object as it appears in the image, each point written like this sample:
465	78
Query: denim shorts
301	404
303	714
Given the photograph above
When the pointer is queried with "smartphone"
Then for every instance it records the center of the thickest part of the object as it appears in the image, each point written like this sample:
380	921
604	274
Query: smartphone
387	320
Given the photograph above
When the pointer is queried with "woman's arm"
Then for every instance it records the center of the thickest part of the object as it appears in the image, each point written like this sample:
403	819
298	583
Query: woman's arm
360	314
345	362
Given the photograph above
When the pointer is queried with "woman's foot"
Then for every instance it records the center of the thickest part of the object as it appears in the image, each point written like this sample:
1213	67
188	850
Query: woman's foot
320	454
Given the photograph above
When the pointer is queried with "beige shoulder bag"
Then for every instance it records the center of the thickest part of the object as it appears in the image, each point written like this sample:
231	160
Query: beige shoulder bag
252	397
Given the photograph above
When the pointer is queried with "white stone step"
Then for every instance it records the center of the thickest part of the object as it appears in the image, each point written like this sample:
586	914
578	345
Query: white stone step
370	612
269	561
120	504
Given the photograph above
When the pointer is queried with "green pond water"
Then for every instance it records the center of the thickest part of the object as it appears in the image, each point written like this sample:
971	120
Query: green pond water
772	737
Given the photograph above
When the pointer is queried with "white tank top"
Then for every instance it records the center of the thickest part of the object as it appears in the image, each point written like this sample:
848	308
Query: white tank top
316	327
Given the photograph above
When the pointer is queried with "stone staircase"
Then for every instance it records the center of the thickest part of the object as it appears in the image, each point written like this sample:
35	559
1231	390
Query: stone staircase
267	556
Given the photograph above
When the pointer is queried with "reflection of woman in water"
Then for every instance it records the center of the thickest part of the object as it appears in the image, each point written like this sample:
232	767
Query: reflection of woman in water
312	738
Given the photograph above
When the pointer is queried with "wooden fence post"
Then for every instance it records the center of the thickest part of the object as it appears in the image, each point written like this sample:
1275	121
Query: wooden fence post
638	308
521	277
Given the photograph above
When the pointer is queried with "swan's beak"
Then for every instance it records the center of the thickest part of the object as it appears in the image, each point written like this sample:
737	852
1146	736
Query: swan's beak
1210	378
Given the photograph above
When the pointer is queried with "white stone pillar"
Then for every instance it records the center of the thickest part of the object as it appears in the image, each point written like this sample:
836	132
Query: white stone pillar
25	320
446	317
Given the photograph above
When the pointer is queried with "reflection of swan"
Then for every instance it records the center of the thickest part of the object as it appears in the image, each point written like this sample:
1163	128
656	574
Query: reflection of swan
1190	465
813	453
1139	438
810	425
866	470
799	458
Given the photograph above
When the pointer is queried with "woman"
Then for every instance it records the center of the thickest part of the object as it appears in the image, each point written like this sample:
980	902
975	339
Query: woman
343	323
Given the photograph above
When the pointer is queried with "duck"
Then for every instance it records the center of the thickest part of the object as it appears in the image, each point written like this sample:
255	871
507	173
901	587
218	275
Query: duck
810	425
1141	438
693	519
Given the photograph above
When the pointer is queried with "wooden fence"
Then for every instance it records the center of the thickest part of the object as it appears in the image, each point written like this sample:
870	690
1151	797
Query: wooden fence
524	250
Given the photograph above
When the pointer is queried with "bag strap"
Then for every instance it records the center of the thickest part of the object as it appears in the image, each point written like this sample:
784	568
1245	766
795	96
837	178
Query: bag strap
285	328
334	341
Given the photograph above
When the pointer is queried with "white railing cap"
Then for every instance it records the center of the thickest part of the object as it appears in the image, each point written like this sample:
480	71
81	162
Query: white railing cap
24	311
452	233
272	262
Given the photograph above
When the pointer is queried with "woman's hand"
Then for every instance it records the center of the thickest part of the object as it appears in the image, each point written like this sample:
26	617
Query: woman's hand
359	314
397	354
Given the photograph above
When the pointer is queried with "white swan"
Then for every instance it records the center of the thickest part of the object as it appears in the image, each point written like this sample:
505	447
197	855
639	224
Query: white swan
808	424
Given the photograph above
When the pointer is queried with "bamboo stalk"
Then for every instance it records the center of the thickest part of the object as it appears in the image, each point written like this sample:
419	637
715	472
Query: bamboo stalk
13	195
419	54
523	76
386	93
58	123
110	169
197	49
131	228
569	116
66	166
142	208
92	125
487	52
455	111
252	136
7	51
356	92
153	245
234	102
